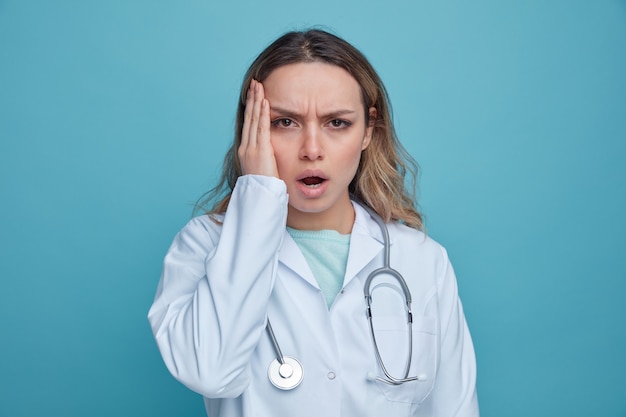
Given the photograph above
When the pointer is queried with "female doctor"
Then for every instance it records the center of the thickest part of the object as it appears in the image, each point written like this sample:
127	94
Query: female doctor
270	305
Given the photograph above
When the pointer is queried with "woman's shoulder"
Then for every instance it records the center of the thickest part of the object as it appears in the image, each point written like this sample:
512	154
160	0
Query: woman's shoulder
419	240
204	228
204	222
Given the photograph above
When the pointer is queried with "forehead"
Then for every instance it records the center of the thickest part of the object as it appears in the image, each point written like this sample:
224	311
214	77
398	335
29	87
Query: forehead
324	84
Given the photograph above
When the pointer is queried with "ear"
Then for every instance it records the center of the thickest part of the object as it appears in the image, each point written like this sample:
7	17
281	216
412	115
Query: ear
369	130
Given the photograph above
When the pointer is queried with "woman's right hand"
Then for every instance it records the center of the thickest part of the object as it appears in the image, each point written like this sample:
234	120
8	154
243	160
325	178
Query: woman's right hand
256	153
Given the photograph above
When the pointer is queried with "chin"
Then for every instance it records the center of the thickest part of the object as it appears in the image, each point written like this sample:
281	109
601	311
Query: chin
310	206
315	205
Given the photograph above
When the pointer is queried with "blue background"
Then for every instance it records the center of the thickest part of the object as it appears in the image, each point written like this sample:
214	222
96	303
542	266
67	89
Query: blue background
114	118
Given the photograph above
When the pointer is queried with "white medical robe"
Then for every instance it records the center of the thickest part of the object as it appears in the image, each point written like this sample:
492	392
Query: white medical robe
221	283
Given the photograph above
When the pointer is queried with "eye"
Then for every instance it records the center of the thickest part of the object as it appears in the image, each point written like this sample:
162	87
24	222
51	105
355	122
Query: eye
283	122
338	123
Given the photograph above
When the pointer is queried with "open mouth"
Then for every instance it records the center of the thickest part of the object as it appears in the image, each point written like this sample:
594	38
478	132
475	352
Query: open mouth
312	181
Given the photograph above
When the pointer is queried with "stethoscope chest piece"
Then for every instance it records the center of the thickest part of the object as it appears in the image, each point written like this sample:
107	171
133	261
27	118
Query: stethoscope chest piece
286	375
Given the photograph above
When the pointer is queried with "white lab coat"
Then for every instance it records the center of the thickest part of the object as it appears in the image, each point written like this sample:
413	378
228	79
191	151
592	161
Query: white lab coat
220	283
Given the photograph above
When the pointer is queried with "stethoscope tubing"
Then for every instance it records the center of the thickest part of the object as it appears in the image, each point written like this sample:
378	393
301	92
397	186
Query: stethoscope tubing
294	378
279	353
387	269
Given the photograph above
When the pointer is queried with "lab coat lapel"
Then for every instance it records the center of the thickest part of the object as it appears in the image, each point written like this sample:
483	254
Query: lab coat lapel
366	243
291	256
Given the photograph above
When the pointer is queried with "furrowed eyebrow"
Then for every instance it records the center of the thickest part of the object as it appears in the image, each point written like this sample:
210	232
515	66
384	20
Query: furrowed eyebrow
291	114
338	113
285	112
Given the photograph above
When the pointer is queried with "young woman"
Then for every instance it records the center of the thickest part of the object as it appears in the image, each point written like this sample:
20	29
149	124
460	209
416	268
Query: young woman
271	304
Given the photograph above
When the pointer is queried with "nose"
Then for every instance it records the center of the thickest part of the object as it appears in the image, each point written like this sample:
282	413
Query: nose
311	148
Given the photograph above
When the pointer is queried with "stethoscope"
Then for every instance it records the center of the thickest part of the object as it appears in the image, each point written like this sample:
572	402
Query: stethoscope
286	373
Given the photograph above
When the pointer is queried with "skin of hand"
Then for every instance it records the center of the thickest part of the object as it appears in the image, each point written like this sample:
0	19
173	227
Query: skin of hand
256	153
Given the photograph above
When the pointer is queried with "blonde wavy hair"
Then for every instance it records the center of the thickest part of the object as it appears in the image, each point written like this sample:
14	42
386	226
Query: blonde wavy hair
380	178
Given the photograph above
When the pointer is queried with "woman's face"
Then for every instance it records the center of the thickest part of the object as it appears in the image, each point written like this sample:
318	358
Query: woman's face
318	131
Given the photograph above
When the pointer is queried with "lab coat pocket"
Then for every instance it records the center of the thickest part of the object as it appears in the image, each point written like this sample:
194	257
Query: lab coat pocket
392	337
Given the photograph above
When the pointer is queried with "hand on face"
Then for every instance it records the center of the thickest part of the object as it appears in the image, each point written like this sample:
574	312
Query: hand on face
256	153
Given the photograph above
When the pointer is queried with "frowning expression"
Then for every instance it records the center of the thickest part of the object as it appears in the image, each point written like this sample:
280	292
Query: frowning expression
319	127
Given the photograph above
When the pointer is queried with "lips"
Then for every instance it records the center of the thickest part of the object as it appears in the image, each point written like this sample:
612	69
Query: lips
312	178
311	181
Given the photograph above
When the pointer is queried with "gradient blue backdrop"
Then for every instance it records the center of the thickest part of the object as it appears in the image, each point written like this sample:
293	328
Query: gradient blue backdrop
115	115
